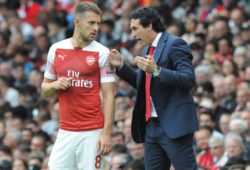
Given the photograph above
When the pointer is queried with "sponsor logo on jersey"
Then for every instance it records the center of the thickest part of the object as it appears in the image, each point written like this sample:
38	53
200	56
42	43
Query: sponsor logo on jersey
81	83
90	60
77	81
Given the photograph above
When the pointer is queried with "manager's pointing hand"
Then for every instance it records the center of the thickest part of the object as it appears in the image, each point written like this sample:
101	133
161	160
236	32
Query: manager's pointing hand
115	58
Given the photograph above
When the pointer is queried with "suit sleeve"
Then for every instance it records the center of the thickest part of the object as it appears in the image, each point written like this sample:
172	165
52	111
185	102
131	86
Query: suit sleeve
127	74
183	73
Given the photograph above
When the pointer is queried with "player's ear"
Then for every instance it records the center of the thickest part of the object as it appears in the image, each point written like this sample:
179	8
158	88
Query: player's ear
76	20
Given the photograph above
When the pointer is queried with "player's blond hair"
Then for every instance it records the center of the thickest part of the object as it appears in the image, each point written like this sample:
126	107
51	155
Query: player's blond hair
82	7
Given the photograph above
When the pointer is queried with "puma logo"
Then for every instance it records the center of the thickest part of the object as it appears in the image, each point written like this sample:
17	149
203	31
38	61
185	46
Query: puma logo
62	56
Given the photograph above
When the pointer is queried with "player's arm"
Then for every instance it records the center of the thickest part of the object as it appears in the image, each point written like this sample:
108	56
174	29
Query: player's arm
109	106
109	110
50	87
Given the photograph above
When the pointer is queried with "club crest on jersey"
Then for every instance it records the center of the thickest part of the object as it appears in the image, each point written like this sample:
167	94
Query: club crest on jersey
90	60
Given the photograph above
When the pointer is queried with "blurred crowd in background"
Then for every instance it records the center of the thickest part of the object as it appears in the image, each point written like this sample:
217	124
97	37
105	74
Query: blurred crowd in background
218	33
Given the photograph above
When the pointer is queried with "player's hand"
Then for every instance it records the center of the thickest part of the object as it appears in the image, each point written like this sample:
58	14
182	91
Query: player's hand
146	64
62	83
104	144
115	58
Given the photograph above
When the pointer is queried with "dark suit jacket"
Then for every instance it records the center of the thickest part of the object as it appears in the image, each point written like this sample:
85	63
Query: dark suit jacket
171	93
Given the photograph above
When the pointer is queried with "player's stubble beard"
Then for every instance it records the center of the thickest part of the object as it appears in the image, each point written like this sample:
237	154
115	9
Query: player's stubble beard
84	39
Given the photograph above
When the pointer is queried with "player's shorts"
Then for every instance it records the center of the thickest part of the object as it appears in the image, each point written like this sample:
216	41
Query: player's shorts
76	151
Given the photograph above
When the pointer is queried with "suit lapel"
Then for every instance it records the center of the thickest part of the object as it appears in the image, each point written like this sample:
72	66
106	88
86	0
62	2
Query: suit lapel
160	46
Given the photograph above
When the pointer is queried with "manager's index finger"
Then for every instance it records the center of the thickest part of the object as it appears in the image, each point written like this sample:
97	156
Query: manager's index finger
149	57
141	58
114	51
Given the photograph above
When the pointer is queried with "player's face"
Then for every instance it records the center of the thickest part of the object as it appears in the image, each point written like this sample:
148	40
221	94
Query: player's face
88	26
139	32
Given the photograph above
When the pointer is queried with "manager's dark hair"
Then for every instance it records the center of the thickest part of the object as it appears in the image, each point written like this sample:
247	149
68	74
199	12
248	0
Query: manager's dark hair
148	16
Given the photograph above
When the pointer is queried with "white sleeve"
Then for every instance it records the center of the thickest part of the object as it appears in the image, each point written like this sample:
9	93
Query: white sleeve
50	72
107	72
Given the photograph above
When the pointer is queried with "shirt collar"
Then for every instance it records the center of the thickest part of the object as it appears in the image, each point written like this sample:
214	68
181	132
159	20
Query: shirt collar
156	40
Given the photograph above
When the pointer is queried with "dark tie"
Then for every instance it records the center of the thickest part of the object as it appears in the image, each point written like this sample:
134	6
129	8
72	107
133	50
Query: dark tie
147	87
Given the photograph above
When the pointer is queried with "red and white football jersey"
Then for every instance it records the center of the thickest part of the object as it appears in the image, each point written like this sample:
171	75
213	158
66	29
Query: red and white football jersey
80	105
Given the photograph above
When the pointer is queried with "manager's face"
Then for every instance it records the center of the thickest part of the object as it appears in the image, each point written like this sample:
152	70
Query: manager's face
139	32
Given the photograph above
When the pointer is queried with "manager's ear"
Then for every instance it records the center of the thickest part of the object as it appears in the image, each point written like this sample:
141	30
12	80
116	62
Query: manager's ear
150	27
